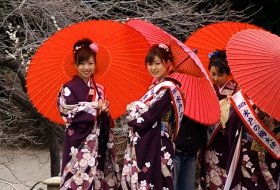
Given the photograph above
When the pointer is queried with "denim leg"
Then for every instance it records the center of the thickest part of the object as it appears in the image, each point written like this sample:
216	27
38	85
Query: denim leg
184	172
188	173
177	165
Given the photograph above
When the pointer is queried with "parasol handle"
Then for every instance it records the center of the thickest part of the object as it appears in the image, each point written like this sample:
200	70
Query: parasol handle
103	134
95	86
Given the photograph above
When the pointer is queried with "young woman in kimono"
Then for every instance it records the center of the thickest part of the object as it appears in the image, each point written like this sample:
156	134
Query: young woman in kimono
243	151
217	150
258	162
153	122
88	154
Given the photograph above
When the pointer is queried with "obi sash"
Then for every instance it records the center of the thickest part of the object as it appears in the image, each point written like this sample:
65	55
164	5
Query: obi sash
176	96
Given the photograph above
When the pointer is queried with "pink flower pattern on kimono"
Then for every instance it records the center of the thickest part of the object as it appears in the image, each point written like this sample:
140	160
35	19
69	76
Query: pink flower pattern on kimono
147	122
86	157
216	176
249	169
135	110
80	163
130	168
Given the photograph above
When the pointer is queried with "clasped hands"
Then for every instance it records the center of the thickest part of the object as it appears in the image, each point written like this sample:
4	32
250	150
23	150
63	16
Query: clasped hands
103	105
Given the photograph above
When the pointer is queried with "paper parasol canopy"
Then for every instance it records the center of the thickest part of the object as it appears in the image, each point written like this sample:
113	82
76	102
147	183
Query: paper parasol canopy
156	35
214	36
254	59
201	101
120	65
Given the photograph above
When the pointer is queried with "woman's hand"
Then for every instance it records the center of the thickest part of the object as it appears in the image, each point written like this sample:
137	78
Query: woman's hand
103	105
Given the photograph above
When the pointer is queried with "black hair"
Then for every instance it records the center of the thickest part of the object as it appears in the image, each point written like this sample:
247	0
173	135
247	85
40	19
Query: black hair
218	59
82	51
163	53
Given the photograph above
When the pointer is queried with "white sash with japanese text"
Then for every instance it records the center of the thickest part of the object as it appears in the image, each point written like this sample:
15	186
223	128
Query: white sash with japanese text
254	125
176	97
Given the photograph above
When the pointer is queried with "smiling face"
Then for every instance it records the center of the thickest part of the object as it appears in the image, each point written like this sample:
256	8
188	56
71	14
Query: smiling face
86	68
157	68
218	78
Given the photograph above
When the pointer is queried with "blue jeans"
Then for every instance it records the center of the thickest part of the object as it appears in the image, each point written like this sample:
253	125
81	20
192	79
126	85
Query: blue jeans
184	171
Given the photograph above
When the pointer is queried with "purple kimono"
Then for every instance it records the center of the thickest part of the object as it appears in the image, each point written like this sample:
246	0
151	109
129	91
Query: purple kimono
256	168
83	165
217	152
148	157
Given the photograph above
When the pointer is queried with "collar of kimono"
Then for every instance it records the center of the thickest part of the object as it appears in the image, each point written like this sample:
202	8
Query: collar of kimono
263	135
229	87
95	90
175	95
212	132
91	91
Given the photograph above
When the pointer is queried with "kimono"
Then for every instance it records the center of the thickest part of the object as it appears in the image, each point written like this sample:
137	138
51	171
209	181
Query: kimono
88	155
258	163
234	157
152	125
217	151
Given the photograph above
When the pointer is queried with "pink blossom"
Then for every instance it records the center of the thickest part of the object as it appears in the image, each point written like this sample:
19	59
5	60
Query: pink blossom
73	185
94	47
70	132
79	155
85	185
144	169
163	46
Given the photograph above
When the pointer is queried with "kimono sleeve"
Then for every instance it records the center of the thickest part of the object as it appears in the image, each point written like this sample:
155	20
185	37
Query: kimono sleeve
73	111
162	104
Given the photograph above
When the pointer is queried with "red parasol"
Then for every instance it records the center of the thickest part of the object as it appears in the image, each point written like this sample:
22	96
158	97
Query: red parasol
201	101
156	35
121	49
254	58
214	36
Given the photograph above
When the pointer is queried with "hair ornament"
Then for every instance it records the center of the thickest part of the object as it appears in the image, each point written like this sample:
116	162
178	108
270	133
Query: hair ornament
77	48
93	47
164	46
213	53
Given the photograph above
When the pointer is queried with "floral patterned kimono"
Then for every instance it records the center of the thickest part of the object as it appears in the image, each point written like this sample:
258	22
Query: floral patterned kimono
152	122
258	167
87	163
217	151
254	167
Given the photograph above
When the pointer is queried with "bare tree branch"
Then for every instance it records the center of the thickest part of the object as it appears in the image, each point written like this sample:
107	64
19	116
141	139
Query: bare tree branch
16	67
